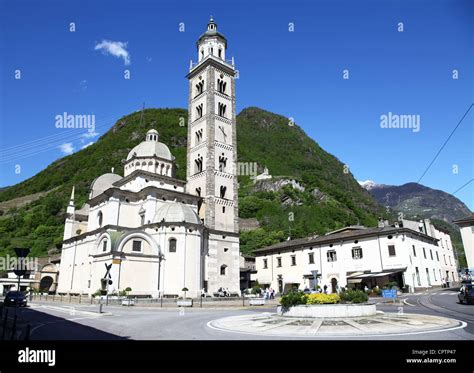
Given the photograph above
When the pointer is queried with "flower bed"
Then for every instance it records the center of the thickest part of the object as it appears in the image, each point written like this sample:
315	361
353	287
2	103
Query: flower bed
350	303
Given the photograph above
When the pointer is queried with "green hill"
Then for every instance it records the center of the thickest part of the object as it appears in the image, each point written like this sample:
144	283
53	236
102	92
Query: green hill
263	137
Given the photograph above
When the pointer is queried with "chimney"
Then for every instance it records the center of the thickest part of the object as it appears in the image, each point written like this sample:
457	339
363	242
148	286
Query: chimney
381	223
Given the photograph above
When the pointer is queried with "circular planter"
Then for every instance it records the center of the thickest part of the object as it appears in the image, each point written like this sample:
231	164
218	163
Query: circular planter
329	310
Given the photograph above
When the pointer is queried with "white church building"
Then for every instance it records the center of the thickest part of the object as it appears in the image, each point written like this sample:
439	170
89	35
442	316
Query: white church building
157	233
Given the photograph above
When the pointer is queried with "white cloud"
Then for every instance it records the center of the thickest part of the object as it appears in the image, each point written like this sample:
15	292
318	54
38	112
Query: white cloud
115	48
89	144
83	85
66	148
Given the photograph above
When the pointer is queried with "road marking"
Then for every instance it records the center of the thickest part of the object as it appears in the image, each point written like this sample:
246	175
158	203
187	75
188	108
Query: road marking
335	336
408	304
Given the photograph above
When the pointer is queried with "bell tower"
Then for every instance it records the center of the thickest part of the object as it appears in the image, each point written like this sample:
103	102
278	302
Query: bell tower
212	147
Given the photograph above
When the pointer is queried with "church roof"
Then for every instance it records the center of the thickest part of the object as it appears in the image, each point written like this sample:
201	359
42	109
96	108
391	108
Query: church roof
211	32
151	149
176	212
102	183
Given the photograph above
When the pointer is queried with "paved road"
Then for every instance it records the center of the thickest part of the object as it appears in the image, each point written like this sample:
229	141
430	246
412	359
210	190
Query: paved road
53	321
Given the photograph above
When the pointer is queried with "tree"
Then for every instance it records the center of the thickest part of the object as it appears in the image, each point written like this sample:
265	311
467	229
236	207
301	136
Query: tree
185	289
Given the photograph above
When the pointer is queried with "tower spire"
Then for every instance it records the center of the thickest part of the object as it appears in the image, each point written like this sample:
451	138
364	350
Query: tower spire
71	200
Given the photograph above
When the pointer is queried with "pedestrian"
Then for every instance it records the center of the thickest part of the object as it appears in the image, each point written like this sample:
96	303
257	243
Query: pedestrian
325	289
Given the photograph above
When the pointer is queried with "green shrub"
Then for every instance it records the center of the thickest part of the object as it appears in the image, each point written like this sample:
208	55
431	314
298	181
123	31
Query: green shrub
256	289
354	296
390	285
293	298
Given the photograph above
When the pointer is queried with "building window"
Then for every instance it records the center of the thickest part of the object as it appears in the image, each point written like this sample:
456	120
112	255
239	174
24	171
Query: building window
428	277
331	256
137	246
221	109
198	166
311	258
356	253
198	136
434	274
265	263
223	270
431	254
444	257
198	192
418	276
424	253
221	85
414	250
391	250
437	256
172	245
450	263
222	191
279	262
222	163
199	111
293	260
142	219
100	218
104	246
199	88
223	209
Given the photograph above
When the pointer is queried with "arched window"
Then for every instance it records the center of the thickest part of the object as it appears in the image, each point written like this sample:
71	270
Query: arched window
222	163
199	111
221	109
223	270
100	218
104	246
198	162
223	190
172	245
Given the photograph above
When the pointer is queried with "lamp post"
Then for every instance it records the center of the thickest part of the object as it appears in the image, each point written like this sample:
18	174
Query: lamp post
20	269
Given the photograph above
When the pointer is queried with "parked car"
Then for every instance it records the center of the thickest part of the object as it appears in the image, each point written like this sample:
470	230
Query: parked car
14	298
466	294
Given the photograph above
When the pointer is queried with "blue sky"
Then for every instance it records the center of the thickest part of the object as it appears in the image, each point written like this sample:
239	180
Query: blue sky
297	74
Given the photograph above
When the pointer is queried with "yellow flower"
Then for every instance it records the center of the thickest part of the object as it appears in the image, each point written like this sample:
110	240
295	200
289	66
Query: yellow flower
322	299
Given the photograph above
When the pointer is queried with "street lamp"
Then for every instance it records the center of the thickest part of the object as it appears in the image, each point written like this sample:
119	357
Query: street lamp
20	269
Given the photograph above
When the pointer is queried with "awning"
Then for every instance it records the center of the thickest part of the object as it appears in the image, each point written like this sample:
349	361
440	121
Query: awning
354	281
373	275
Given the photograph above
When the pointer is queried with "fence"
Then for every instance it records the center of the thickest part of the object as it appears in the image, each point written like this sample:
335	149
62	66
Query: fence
153	302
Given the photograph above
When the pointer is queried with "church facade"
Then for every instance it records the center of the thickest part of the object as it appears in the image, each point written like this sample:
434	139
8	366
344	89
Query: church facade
152	232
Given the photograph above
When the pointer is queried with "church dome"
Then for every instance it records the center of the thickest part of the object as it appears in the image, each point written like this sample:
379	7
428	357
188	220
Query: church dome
212	32
102	183
176	212
151	147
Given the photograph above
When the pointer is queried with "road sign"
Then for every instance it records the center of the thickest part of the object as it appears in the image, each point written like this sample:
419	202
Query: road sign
389	293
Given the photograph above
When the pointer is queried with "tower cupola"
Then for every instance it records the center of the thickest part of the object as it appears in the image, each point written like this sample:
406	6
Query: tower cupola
211	43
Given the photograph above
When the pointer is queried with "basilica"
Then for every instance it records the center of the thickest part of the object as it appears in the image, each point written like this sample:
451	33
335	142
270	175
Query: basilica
148	230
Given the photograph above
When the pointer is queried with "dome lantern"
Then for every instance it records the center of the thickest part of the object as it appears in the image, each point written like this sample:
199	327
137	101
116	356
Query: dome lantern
152	135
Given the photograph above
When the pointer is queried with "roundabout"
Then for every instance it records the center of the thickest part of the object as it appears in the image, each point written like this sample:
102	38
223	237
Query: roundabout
379	325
